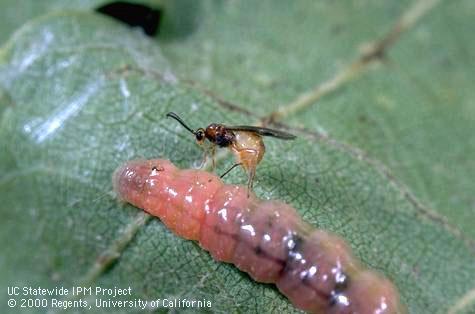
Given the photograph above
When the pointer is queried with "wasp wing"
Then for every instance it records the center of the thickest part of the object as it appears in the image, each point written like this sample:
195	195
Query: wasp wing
262	131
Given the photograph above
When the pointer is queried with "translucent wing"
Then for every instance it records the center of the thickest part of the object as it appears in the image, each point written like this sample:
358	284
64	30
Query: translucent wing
262	131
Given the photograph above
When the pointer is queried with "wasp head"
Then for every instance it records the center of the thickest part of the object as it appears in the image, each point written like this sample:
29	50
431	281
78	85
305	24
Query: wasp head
200	135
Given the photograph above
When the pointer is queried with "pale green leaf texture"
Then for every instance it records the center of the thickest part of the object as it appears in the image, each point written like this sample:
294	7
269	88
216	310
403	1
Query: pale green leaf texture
80	94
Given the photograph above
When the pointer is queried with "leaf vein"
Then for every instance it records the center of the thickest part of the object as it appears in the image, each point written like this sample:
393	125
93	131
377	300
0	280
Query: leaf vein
373	53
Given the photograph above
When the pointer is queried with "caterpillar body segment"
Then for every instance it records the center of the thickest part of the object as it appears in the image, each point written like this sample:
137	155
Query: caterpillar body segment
314	268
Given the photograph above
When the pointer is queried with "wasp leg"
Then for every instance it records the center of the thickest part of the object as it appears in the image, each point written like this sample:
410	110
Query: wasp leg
250	182
205	158
213	159
250	161
248	158
229	170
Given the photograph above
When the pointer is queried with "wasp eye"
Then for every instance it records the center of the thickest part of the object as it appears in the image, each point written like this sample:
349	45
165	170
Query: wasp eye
200	135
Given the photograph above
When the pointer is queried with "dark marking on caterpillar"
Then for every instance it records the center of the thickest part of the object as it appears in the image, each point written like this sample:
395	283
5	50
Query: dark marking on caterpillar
313	268
342	283
155	168
257	250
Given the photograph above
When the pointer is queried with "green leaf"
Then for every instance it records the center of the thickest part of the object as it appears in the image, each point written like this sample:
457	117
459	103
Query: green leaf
408	112
15	13
81	94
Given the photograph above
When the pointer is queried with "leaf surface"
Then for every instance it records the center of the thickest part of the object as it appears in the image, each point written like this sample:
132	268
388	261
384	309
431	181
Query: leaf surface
80	94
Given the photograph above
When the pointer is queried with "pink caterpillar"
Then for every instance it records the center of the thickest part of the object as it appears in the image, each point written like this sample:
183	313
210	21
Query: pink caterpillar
267	239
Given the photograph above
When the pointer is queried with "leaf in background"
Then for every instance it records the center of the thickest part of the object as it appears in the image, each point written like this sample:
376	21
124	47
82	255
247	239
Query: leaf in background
85	94
409	112
15	13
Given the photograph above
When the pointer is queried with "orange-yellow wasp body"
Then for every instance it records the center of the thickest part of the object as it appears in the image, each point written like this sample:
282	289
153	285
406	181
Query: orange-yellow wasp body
245	142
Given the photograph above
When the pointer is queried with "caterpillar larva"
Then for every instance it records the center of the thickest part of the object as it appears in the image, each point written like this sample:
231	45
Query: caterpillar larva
315	269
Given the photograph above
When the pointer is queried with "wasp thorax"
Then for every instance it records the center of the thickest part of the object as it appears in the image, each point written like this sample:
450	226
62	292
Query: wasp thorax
219	135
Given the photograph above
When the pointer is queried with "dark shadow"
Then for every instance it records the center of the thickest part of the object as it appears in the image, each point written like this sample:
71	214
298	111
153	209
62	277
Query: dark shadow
135	15
173	19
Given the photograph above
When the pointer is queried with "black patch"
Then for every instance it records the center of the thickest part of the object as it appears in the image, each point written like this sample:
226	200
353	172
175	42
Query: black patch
134	14
258	251
340	287
155	168
297	244
294	245
221	140
333	300
304	279
224	139
343	284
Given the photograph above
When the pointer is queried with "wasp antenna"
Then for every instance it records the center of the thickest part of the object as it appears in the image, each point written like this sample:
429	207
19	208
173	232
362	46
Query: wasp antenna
177	118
